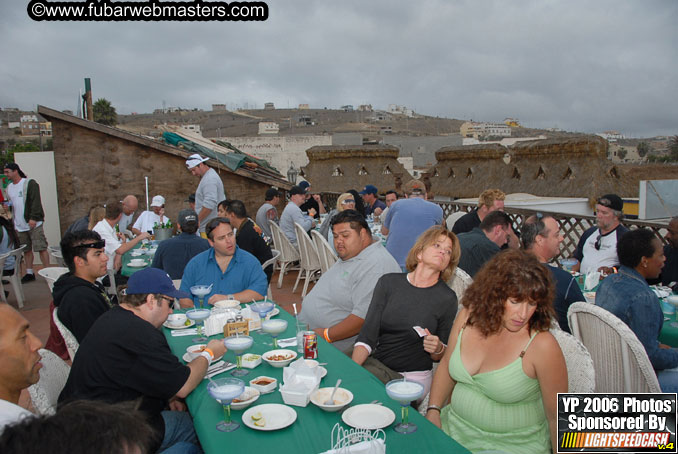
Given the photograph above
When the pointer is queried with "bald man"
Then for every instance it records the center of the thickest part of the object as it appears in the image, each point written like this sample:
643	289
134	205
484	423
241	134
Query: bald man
130	204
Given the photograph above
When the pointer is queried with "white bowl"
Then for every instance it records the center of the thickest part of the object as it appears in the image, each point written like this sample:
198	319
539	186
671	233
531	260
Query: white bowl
247	398
137	261
194	351
289	355
227	304
342	398
176	319
264	388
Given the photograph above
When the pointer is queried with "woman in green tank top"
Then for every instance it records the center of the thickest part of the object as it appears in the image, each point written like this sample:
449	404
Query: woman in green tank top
503	369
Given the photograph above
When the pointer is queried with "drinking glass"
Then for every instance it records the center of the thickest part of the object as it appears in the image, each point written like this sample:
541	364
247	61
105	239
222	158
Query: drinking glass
404	392
239	345
224	390
199	315
274	328
301	328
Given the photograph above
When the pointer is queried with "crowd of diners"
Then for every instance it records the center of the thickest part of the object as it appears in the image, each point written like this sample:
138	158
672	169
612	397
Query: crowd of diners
389	307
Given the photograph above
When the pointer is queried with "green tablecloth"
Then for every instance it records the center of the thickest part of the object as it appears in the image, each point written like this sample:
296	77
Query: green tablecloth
127	270
311	432
668	334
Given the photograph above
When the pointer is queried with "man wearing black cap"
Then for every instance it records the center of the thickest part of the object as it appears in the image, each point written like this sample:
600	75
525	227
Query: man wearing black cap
125	357
597	248
173	254
292	213
312	201
24	193
268	211
372	203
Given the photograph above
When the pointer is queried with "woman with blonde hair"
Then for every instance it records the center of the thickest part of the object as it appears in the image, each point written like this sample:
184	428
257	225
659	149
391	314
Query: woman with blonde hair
96	214
411	312
346	201
503	369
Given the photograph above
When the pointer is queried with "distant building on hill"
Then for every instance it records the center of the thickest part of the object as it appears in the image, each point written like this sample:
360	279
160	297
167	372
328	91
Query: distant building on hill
512	122
303	107
30	125
269	106
365	108
218	107
268	127
611	136
477	130
400	110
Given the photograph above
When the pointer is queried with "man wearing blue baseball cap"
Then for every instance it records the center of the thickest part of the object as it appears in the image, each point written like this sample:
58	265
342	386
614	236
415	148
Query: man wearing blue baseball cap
372	203
125	357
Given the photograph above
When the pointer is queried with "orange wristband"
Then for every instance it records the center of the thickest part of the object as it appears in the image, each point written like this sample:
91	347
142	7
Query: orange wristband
208	350
326	335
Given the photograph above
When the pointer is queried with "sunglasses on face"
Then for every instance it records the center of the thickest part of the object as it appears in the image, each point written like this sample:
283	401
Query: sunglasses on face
347	201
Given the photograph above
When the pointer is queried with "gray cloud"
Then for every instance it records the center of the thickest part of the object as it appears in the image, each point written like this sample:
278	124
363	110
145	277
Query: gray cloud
584	66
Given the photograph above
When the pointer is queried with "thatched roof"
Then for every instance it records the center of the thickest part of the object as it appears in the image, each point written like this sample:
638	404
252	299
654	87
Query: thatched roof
342	167
576	167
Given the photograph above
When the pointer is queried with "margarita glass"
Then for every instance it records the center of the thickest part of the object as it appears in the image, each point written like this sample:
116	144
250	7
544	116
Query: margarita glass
274	328
404	392
224	390
199	316
239	345
201	291
262	308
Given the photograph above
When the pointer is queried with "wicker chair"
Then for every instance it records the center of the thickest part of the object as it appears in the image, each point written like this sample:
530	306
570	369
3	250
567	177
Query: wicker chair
620	360
310	261
268	263
459	282
72	344
53	376
581	376
325	252
288	253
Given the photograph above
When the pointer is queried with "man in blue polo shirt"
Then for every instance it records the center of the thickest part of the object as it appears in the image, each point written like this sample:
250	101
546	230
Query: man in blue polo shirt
234	273
174	254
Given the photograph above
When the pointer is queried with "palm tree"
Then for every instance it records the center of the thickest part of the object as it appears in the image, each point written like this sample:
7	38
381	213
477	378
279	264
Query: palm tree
104	112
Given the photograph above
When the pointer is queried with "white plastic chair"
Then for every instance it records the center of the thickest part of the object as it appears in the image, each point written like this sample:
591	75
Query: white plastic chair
581	376
53	376
459	282
15	278
72	343
619	359
268	263
310	262
325	252
288	253
454	217
51	274
55	253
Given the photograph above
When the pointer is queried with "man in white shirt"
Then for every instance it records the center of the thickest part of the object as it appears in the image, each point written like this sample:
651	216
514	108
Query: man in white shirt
19	363
129	206
24	194
147	220
210	190
116	245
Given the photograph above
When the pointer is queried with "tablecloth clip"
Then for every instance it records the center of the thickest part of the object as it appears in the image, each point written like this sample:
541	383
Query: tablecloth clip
343	439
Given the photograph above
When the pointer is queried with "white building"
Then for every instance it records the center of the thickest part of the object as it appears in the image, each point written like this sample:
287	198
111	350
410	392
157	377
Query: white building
611	136
268	127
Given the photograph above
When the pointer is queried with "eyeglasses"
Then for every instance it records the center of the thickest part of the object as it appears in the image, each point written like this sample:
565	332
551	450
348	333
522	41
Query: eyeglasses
347	201
170	301
96	245
597	243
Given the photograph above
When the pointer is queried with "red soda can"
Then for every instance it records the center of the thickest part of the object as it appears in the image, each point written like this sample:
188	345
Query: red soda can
310	345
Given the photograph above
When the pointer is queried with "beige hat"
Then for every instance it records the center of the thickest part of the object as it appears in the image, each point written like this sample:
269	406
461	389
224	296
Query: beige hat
158	201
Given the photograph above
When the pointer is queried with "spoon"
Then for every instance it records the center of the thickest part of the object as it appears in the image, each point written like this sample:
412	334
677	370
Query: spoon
330	401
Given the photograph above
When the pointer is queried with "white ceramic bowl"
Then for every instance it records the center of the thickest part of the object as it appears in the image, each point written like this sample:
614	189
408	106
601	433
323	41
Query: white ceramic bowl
195	350
342	398
227	304
289	355
268	387
176	319
247	398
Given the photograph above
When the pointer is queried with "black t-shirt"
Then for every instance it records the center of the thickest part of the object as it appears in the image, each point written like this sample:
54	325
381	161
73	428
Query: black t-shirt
311	203
466	223
122	358
251	241
397	306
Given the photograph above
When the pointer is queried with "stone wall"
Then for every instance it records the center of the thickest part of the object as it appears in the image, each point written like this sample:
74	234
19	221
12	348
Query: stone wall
93	167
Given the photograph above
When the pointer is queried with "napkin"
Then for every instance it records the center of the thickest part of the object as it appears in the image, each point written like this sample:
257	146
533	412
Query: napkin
215	323
218	368
289	342
298	377
377	446
592	280
185	332
661	292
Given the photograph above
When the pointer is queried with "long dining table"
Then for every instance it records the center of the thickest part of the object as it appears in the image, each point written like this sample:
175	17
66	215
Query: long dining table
311	432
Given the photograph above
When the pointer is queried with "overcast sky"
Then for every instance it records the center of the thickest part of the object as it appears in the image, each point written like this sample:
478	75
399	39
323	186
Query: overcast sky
577	65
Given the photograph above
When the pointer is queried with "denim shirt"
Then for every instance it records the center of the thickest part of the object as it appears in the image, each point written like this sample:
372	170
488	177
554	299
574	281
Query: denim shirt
627	295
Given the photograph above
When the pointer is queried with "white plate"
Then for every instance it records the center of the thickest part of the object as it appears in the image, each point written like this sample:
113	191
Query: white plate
187	359
368	416
137	265
246	403
167	325
277	416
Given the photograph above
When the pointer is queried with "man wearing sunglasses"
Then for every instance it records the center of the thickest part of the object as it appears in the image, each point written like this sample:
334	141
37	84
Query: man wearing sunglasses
597	248
79	298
